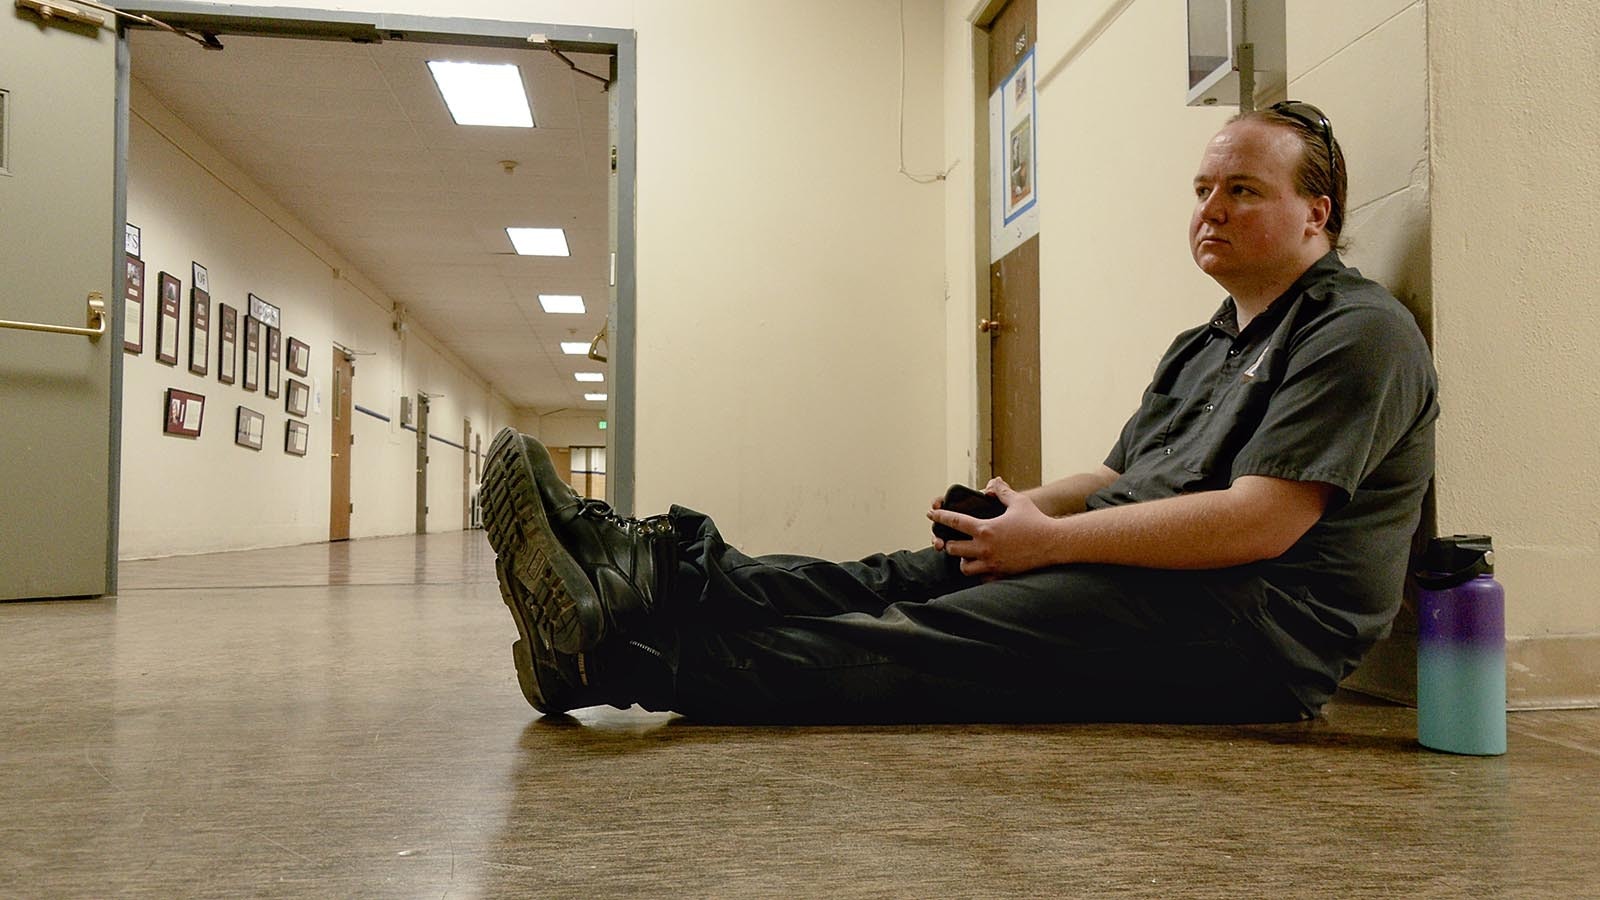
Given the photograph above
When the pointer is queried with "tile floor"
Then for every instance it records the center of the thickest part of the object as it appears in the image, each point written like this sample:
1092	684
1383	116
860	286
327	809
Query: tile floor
343	721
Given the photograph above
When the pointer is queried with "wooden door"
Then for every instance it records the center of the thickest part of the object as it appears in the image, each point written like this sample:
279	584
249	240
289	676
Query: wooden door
466	474
1013	321
339	505
60	254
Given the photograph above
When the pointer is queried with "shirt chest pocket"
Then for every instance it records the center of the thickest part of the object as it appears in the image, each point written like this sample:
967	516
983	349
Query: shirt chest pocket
1211	433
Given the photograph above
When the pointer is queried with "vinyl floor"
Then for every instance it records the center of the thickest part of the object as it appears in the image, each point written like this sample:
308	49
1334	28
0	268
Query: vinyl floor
343	721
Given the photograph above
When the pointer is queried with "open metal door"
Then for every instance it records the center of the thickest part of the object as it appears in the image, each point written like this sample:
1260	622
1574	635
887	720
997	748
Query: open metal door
59	255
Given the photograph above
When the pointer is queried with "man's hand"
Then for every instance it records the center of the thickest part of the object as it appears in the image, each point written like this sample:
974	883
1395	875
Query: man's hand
1018	541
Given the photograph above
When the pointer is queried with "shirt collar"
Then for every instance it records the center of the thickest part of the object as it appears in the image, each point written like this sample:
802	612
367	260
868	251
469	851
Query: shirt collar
1226	318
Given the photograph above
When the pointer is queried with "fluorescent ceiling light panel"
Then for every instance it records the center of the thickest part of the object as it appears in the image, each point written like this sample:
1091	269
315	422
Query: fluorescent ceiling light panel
598	398
539	241
562	303
575	348
483	94
590	376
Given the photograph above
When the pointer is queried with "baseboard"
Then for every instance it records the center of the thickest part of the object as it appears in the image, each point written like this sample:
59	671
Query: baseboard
1541	672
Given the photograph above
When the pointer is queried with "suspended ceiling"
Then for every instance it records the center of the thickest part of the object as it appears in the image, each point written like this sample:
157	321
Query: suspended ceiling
356	141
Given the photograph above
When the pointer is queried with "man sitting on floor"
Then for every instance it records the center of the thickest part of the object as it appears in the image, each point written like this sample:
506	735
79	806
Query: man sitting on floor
1243	545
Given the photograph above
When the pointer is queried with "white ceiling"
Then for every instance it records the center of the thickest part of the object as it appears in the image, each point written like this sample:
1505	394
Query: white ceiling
356	141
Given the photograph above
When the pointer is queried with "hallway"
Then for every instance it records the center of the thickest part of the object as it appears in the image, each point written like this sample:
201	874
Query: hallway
343	721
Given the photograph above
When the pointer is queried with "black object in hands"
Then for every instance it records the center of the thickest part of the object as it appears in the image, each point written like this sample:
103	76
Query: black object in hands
968	502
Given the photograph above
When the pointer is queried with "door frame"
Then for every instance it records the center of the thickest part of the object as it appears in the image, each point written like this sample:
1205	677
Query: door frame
982	16
278	21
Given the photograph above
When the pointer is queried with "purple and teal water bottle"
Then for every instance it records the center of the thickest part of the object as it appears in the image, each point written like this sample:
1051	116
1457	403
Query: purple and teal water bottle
1461	648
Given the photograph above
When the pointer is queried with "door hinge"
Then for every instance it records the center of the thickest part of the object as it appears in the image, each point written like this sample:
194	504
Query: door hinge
352	440
352	508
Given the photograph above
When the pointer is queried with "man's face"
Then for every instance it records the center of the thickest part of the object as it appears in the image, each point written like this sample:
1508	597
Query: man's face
1248	221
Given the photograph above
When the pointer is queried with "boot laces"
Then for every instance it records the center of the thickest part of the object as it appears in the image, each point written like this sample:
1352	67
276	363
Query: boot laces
650	526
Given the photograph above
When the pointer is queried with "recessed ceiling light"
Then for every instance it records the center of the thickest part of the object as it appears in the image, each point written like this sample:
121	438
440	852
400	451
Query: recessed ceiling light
598	398
562	303
539	241
483	93
590	376
574	348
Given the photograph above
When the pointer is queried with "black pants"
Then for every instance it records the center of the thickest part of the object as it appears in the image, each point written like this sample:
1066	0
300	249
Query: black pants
905	637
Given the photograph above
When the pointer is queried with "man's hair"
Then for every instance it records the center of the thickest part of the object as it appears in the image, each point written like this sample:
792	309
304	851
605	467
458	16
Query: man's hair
1321	171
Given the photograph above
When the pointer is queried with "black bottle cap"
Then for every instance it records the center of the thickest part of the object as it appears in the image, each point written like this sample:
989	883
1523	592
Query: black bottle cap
1455	560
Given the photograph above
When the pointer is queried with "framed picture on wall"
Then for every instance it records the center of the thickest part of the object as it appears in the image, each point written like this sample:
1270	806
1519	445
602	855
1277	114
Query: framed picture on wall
296	437
274	357
201	281
167	320
298	398
252	353
227	342
249	427
133	306
130	240
268	314
199	329
184	413
299	361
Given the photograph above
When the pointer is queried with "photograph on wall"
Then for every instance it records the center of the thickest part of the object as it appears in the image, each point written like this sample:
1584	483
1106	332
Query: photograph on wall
184	413
249	428
167	319
130	240
201	281
252	353
199	330
274	358
298	398
227	342
299	361
133	307
1017	114
296	436
265	312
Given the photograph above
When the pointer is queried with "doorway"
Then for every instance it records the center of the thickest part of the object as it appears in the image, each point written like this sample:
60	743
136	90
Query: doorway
340	507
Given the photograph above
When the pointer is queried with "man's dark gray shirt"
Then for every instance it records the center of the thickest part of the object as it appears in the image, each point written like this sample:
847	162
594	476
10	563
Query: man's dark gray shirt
1331	383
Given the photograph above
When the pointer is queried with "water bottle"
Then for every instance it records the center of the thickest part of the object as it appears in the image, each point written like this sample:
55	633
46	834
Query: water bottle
1461	648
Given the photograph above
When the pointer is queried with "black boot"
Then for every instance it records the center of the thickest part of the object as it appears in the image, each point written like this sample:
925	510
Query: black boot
589	574
551	681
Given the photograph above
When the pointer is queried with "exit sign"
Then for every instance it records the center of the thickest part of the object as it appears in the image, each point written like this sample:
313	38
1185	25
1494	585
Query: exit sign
602	424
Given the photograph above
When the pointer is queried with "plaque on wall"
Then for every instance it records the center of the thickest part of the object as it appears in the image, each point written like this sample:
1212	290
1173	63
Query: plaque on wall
265	312
252	353
184	413
296	436
299	361
227	342
130	240
199	329
249	428
274	358
201	281
133	306
298	398
167	319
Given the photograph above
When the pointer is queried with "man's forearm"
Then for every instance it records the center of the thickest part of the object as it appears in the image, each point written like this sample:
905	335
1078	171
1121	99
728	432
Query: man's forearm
1067	496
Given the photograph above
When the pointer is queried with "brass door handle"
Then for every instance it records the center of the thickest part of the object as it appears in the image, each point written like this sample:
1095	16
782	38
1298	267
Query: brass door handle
989	326
336	456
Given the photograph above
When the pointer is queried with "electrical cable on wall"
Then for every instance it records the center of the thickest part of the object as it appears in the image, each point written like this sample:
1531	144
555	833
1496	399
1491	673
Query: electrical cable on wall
919	179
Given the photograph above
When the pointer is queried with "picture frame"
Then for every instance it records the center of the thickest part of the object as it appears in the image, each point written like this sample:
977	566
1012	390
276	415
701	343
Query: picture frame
297	398
296	437
183	413
133	306
274	357
299	361
227	343
131	240
199	330
167	319
249	428
252	353
199	279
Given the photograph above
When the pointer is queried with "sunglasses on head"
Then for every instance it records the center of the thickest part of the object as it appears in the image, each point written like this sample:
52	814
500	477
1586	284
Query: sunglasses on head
1312	118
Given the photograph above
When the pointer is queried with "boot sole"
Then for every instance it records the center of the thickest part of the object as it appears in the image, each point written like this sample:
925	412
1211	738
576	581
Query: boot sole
521	649
550	585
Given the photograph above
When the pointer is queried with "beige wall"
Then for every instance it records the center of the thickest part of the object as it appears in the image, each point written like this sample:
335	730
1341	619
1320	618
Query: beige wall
183	495
1515	94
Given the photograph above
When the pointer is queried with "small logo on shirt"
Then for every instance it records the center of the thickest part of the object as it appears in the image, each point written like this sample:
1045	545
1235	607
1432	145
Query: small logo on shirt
1250	373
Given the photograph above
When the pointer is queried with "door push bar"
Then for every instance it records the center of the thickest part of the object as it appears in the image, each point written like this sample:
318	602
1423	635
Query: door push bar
97	321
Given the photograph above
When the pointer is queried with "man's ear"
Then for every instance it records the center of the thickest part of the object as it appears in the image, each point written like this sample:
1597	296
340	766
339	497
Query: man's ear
1317	217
